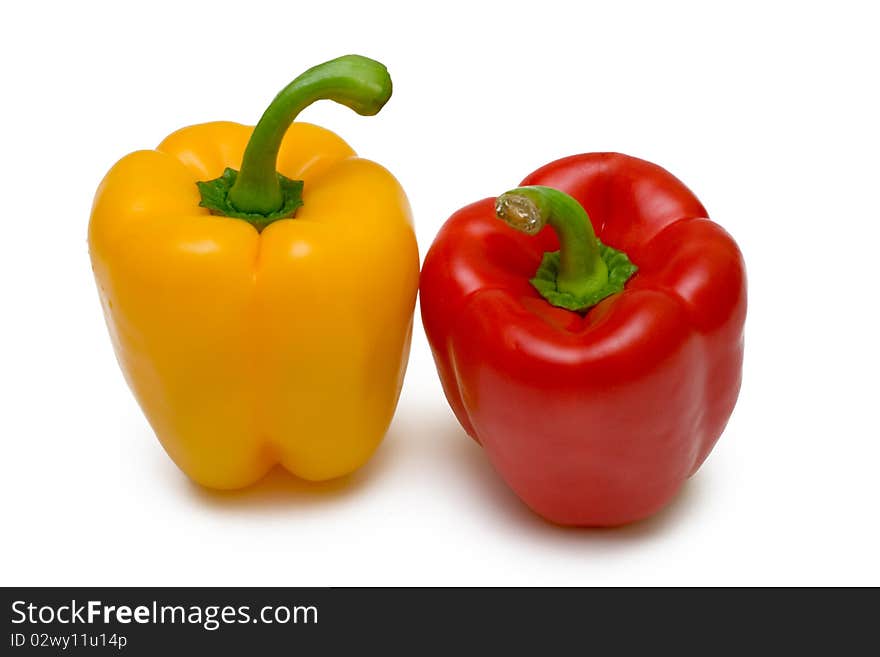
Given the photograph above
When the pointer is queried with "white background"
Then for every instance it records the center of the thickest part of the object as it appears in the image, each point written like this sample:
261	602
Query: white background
768	111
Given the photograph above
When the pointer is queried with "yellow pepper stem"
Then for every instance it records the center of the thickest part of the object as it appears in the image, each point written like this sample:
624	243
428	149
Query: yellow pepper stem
258	193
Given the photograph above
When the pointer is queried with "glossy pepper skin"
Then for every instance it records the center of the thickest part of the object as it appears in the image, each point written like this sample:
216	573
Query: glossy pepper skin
595	418
246	348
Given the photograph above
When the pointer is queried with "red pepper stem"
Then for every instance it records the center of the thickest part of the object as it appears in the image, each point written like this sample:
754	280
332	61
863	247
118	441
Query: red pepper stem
582	271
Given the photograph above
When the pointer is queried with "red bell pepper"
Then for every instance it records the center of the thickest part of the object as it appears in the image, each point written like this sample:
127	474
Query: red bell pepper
595	397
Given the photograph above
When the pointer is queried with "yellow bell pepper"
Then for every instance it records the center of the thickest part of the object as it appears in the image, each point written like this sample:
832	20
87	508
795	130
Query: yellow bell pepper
251	336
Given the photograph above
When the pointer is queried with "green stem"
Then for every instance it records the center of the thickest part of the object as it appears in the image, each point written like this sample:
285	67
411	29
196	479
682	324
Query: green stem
354	81
258	193
583	271
529	209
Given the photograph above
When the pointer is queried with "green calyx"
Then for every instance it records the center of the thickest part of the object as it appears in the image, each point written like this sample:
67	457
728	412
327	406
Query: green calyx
620	269
215	197
258	193
584	270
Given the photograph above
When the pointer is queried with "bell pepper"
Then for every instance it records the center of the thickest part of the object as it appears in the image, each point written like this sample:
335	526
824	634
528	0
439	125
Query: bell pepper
597	370
261	315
